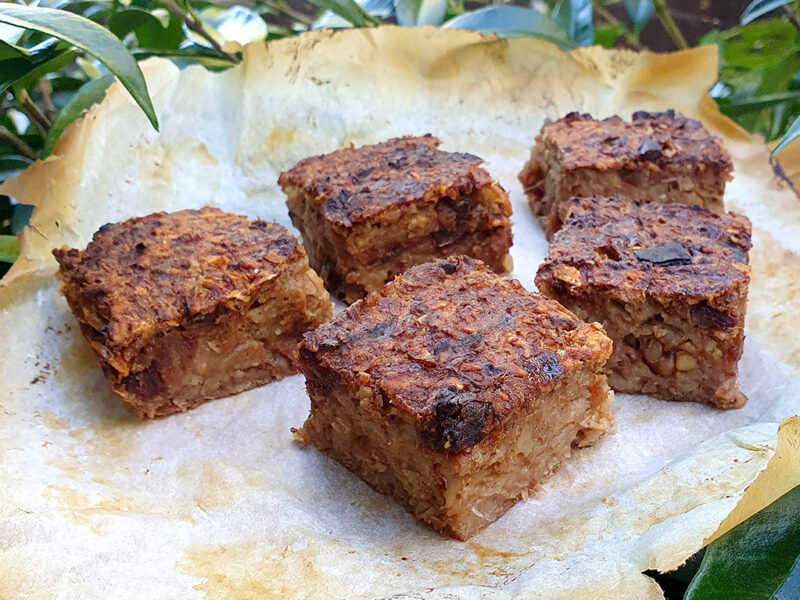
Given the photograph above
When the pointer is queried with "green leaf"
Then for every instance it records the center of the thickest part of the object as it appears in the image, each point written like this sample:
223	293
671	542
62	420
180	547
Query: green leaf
791	135
349	10
125	21
758	8
12	165
167	35
639	12
21	217
420	12
735	106
88	95
606	35
193	55
17	61
56	63
89	37
576	17
512	21
9	248
753	560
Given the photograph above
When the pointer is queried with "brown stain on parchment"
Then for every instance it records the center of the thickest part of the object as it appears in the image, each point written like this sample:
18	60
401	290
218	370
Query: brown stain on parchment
216	486
93	511
252	569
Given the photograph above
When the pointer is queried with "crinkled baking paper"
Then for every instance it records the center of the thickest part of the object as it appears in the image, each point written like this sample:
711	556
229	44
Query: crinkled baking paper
220	503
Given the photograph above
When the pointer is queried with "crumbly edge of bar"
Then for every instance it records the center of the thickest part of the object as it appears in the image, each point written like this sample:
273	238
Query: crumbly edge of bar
662	350
264	336
456	494
550	187
356	261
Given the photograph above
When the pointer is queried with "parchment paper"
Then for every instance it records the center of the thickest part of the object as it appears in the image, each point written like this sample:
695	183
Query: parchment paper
219	502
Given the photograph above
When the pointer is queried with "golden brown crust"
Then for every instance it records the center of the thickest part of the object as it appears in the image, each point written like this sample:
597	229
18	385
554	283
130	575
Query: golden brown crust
649	140
150	273
455	348
633	250
353	185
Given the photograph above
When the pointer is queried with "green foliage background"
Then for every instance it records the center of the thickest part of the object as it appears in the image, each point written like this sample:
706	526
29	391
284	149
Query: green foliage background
57	65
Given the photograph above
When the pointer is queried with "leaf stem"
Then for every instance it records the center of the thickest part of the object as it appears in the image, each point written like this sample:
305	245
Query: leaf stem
612	20
792	14
284	7
45	89
662	10
34	114
194	24
20	146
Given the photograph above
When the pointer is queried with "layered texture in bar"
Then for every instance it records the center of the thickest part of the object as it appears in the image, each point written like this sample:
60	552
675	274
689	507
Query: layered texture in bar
455	391
370	213
669	284
655	157
184	307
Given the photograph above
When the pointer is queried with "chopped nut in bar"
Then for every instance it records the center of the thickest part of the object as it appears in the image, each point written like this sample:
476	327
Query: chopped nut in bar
655	157
368	214
184	307
456	391
669	284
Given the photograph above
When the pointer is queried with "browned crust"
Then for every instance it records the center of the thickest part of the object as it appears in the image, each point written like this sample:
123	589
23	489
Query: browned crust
354	185
148	274
595	252
649	140
454	348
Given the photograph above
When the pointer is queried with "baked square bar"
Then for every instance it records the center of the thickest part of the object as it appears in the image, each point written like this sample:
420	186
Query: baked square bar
184	307
456	391
368	214
656	157
668	283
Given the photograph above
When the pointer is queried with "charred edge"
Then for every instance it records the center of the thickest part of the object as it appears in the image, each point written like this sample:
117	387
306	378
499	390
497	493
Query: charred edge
457	421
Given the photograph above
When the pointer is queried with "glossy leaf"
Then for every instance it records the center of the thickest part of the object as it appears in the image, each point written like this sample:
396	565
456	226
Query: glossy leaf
12	165
125	21
512	21
792	134
420	12
167	35
21	217
9	248
89	94
89	37
56	63
759	8
753	560
639	12
193	55
576	17
18	62
349	10
606	35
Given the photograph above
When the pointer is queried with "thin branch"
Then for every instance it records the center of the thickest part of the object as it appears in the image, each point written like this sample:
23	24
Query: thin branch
612	20
792	14
662	10
282	6
194	24
20	146
29	107
45	89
